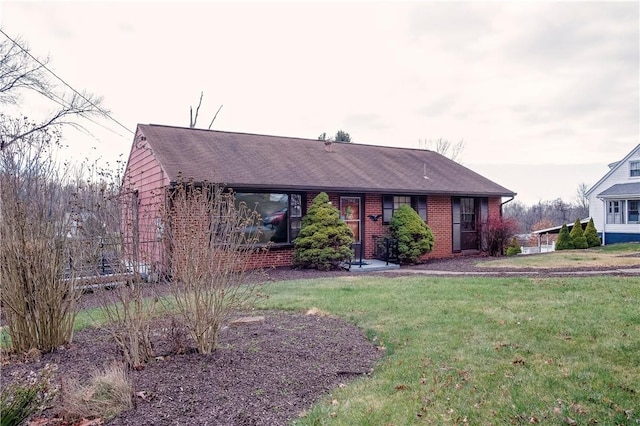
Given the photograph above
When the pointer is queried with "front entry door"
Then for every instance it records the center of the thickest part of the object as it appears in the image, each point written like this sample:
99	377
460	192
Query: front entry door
350	212
468	232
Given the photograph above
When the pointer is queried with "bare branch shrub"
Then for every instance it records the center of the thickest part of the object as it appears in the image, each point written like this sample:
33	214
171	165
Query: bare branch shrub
212	240
128	303
107	394
36	214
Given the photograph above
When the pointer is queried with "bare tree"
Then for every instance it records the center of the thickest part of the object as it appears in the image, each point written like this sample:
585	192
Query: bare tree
582	201
445	147
193	120
212	241
22	72
37	215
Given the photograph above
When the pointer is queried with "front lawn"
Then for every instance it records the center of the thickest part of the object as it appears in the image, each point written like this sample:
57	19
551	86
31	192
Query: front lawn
483	350
614	256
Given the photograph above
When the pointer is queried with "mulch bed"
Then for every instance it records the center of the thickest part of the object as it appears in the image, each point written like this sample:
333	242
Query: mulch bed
264	373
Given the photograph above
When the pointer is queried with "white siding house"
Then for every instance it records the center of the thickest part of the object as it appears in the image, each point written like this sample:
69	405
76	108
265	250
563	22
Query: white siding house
614	201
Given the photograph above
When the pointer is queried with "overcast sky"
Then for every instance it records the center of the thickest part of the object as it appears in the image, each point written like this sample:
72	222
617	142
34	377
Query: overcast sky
544	94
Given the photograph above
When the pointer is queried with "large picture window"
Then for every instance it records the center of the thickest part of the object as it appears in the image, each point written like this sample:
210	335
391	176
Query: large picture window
390	204
280	213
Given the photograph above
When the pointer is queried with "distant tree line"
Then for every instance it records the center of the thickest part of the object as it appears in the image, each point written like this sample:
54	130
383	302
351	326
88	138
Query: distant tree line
547	214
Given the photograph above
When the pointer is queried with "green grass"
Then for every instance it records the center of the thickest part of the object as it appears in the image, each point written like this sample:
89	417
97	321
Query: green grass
614	256
483	351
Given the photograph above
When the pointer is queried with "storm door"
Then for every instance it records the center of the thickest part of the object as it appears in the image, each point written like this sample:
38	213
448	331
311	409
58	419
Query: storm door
468	232
351	214
465	222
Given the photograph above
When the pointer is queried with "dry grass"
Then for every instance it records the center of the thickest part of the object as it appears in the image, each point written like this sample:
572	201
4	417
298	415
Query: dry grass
107	394
599	257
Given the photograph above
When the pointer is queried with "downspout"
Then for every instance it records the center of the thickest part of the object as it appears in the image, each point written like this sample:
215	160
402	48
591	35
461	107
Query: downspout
503	203
604	221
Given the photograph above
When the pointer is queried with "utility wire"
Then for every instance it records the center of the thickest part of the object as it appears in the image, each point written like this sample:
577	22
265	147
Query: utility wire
105	113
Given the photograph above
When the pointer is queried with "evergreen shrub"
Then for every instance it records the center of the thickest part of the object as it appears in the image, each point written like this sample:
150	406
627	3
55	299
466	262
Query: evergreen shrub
324	241
564	239
413	234
513	248
591	234
577	236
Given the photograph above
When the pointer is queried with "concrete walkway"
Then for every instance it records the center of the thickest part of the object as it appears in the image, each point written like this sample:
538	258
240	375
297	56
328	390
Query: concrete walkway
620	271
374	265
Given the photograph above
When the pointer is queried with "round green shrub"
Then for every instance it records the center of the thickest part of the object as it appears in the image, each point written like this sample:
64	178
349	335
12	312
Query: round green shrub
414	236
324	241
512	251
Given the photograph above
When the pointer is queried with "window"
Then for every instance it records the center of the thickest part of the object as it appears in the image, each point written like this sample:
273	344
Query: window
281	214
633	211
467	214
390	204
615	211
634	168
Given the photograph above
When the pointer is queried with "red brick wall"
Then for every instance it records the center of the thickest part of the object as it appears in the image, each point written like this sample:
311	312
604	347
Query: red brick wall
439	220
372	205
439	217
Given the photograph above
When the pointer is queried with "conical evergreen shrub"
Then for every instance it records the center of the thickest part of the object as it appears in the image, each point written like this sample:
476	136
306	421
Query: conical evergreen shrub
514	247
324	241
577	236
414	236
564	239
591	234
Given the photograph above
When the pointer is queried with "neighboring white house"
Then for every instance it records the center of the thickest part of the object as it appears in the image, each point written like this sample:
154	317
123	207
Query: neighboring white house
614	201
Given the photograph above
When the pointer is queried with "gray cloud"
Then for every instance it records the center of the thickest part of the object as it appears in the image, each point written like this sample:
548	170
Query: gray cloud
454	25
437	107
577	34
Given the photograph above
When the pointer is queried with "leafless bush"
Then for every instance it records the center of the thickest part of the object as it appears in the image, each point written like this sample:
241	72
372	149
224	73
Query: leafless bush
212	240
105	395
126	301
38	294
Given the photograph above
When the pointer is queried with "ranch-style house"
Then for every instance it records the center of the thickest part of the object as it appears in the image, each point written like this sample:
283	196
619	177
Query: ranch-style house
282	175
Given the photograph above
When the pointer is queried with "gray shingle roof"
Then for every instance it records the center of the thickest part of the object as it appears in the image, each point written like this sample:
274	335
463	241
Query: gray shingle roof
242	160
621	190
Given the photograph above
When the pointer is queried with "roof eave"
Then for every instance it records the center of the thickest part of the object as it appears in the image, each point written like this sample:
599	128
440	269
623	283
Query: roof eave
346	189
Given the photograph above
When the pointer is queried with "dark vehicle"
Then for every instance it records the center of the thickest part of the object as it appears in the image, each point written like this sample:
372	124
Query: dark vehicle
275	218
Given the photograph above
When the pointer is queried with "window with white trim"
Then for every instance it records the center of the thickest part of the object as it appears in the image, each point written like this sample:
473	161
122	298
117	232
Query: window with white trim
634	168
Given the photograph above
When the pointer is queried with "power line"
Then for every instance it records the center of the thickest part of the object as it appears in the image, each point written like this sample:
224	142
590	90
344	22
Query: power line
105	113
